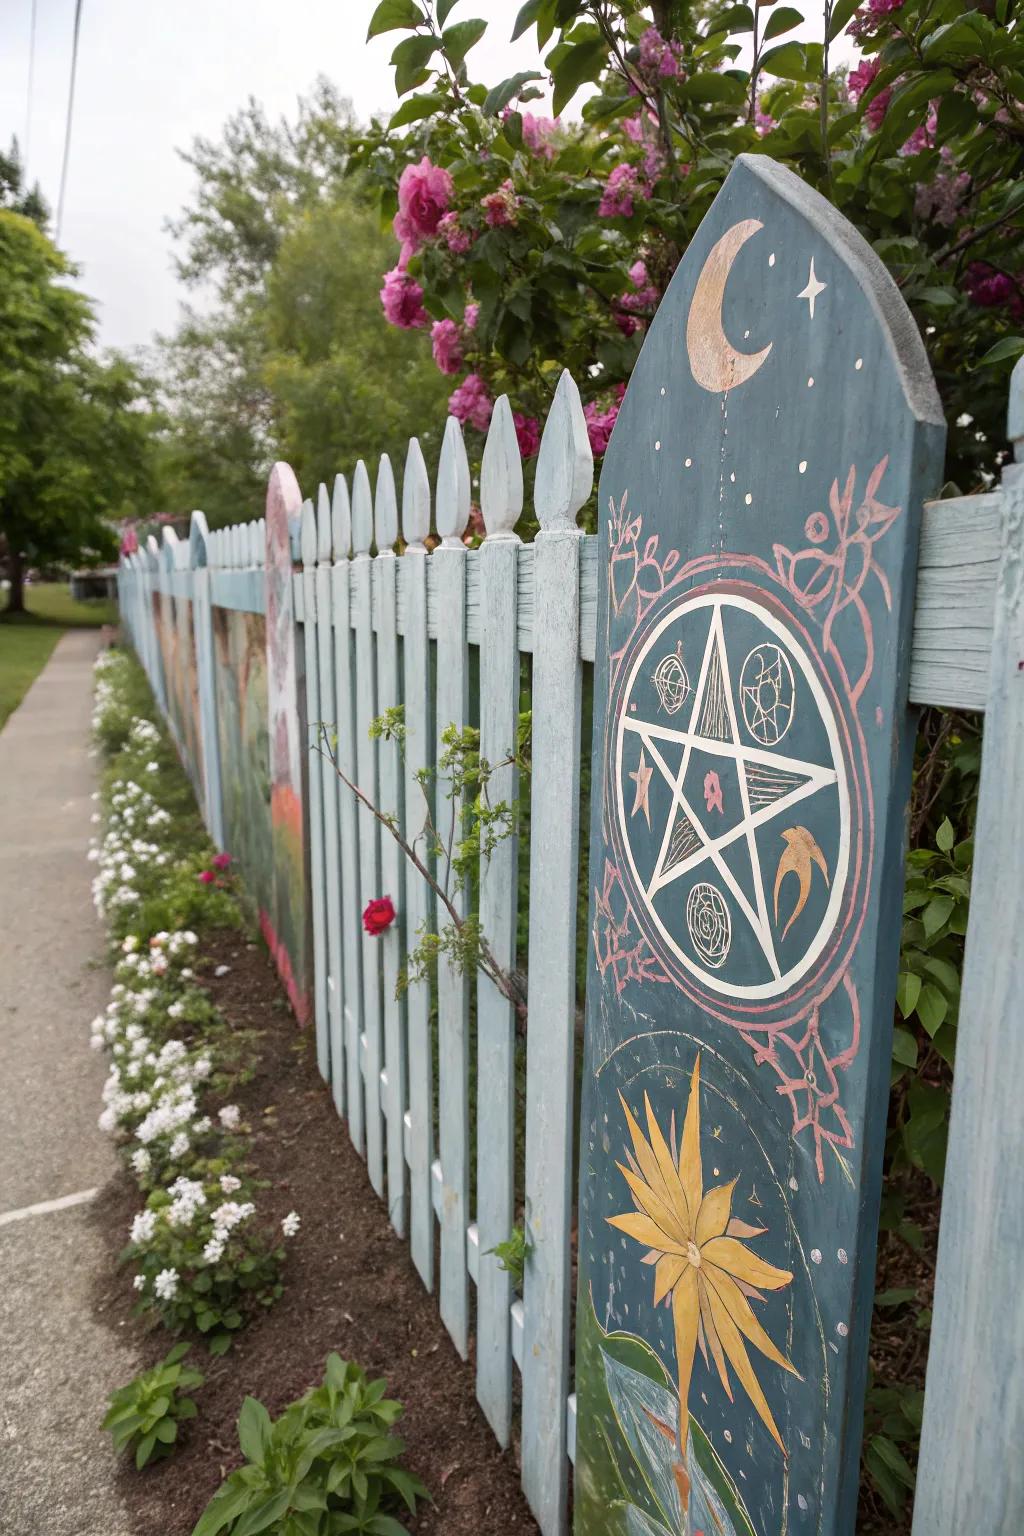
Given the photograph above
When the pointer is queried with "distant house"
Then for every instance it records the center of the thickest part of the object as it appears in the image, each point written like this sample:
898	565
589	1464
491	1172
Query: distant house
99	582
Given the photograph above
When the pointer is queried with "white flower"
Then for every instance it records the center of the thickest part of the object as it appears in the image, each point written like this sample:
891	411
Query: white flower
175	1010
130	943
214	1249
230	1213
141	1160
290	1224
166	1284
152	767
143	1227
964	419
187	973
179	1146
108	1121
230	1117
139	1282
202	1125
159	964
229	1184
202	1068
189	937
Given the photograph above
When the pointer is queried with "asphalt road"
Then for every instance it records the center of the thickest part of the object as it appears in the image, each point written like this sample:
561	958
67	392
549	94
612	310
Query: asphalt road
58	1361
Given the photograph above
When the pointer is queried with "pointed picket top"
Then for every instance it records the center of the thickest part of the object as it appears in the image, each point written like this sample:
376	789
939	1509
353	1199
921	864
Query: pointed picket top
308	533
415	498
452	502
198	541
255	542
385	508
261	541
324	533
565	464
501	474
1015	412
341	519
362	511
167	551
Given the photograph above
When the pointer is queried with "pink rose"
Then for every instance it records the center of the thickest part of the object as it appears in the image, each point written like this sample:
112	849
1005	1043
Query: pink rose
860	78
599	425
659	59
500	207
221	860
402	298
538	133
622	186
424	194
471	402
527	433
470	315
454	236
206	877
446	346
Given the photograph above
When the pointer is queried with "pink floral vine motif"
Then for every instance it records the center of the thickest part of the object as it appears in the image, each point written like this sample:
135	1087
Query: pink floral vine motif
834	578
636	578
618	946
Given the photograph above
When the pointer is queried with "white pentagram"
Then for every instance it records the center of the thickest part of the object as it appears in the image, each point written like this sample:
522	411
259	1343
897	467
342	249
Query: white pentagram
770	784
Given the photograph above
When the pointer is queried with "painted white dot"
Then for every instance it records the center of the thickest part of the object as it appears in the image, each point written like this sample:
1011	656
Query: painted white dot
732	477
657	446
728	1436
715	1172
663	389
815	1255
771	259
842	1330
793	1184
801	1501
689	463
843	1256
802	466
746	335
833	1347
859	364
810	383
748	498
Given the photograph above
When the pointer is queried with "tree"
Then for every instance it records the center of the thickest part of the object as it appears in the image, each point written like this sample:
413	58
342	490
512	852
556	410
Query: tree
13	192
563	236
74	431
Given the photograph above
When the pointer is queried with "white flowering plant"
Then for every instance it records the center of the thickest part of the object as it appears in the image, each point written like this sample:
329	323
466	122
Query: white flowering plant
202	1258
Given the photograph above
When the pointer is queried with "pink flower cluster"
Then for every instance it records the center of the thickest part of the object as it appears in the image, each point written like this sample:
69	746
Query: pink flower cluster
471	403
424	195
600	423
942	198
457	239
659	59
867	20
537	132
989	288
643	300
402	298
500	207
858	81
221	863
129	540
527	434
446	339
622	186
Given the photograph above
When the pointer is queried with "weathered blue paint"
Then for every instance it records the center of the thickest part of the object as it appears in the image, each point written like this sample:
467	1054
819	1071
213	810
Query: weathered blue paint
759	504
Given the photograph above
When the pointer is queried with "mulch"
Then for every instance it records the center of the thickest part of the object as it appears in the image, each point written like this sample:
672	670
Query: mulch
349	1287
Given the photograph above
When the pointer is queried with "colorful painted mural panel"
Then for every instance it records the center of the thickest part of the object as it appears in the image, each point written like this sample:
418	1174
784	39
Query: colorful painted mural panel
759	509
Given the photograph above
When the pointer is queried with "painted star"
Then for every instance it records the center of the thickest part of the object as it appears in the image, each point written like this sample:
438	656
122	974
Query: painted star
810	293
642	779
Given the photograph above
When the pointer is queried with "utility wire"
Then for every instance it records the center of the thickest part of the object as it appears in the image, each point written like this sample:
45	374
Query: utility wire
67	130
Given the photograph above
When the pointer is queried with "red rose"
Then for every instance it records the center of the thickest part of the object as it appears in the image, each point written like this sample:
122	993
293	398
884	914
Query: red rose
207	877
379	915
221	860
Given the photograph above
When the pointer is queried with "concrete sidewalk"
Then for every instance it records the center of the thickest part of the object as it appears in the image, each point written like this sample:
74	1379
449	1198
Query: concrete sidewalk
57	1361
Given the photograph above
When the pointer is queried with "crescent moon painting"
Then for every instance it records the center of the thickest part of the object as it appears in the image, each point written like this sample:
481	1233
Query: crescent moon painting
715	363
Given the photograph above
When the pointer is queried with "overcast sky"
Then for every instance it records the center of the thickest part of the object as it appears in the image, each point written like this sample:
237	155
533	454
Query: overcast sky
151	76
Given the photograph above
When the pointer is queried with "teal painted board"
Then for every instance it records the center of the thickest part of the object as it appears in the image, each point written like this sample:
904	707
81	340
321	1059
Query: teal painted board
759	502
970	1472
329	794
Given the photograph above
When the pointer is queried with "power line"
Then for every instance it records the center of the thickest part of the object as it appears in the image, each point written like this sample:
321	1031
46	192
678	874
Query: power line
67	130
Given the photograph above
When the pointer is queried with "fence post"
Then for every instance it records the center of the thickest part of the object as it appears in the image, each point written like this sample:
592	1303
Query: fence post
389	768
348	826
501	501
321	764
369	836
451	709
969	1475
156	655
418	758
202	624
314	782
565	476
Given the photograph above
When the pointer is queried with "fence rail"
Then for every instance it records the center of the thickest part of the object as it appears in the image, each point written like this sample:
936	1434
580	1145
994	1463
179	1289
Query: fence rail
447	632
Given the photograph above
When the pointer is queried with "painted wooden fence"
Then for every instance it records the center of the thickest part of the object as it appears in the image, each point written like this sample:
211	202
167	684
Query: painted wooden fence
370	598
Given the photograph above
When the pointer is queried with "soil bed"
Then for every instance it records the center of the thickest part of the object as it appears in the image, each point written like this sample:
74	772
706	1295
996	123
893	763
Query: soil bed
349	1286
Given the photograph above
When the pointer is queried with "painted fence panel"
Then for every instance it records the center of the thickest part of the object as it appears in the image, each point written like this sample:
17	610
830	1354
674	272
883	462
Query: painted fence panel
759	507
322	734
315	789
348	829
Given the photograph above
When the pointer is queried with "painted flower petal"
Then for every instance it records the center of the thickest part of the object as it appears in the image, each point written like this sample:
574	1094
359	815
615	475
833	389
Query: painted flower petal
739	1309
652	1205
666	1273
641	1227
734	1348
738	1228
714	1341
645	1156
690	1174
685	1312
713	1216
675	1189
730	1255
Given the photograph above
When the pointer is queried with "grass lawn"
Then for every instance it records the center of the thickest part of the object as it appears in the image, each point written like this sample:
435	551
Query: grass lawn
26	639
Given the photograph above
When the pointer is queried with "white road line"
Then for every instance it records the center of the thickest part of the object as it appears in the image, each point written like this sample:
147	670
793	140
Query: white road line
42	1207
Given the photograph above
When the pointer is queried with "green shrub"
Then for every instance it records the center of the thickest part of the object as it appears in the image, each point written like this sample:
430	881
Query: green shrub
327	1465
144	1415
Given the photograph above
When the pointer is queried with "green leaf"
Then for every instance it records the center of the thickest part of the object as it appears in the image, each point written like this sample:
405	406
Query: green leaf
409	59
894	1459
228	1502
894	1298
904	1048
263	1516
177	1353
738	18
167	1431
941	297
709	86
842	11
220	1344
527	16
1005	351
782	20
788	62
499	96
386	1525
254	1430
908	990
392	14
932	1007
423	105
443	8
936	913
458	40
583	62
144	1450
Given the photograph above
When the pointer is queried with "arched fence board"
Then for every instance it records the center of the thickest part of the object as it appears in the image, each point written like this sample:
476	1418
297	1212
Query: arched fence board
540	605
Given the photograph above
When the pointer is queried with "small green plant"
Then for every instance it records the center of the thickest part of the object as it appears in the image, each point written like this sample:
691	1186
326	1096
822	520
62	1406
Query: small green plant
327	1465
512	1255
144	1415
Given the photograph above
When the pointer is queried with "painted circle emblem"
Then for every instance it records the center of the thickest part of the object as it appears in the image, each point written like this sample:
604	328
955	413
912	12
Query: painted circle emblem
731	797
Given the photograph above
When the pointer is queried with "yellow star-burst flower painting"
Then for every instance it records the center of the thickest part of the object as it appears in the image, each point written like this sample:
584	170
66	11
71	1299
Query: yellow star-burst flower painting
701	1269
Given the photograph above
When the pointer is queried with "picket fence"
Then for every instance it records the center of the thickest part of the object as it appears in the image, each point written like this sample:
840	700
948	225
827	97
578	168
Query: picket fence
446	631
